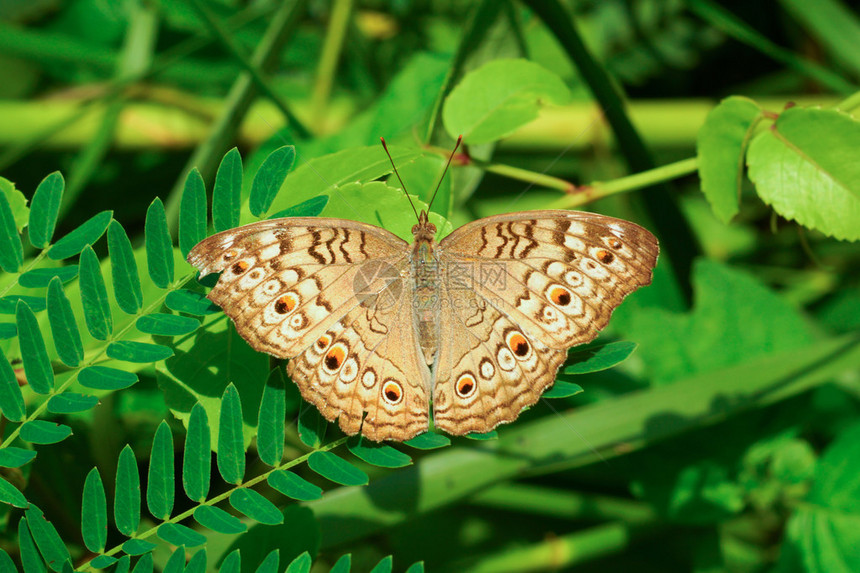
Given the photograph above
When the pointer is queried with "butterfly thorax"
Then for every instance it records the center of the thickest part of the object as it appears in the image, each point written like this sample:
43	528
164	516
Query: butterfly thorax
426	273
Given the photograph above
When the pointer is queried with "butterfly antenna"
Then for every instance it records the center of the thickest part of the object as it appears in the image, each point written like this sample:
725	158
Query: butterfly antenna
447	165
402	184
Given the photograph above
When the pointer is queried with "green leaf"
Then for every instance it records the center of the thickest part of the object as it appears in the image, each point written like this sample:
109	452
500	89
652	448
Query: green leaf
177	534
832	25
176	561
291	485
270	563
122	565
219	520
196	463
310	208
385	565
159	245
598	358
159	487
499	97
94	513
301	564
9	494
12	457
166	324
126	508
805	167
141	352
491	435
232	563
45	209
721	145
378	454
416	568
192	212
197	563
39	278
8	330
428	441
6	563
105	561
106	378
336	469
44	432
87	234
11	249
67	338
71	402
227	193
47	539
94	298
34	353
190	302
9	303
312	426
138	547
342	565
250	503
126	280
30	558
270	423
11	398
231	450
17	203
269	179
562	389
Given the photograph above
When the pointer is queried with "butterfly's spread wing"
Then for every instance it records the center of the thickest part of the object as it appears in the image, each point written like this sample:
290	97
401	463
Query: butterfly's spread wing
540	282
329	294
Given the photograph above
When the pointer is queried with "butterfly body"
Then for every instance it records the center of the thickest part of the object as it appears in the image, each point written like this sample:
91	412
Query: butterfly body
379	331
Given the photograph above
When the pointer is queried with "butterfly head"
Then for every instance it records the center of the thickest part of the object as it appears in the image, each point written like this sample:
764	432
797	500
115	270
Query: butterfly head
424	230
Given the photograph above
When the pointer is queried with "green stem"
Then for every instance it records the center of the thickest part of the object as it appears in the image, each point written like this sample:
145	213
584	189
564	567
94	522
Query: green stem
32	264
330	56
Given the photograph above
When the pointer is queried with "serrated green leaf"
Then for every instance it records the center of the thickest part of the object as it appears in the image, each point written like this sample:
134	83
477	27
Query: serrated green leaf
805	168
269	179
126	509
598	358
106	378
8	330
138	546
218	520
39	278
64	328
377	454
294	486
562	389
9	494
301	564
159	245
232	563
177	534
30	557
45	209
342	565
159	487
190	302
139	352
71	402
428	441
312	426
12	457
126	279
250	503
231	451
385	565
721	146
87	234
94	513
94	297
196	462
227	193
11	249
336	469
192	212
34	353
44	432
11	398
162	324
9	303
310	208
270	423
47	539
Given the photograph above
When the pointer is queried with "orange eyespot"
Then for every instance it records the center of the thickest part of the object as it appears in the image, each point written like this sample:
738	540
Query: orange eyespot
334	358
240	267
518	344
323	342
615	244
466	386
286	303
604	257
392	391
559	296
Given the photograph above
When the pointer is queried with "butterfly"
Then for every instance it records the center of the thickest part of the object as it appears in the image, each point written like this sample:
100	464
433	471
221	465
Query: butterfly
380	331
